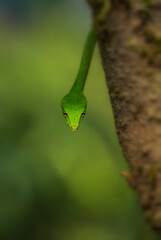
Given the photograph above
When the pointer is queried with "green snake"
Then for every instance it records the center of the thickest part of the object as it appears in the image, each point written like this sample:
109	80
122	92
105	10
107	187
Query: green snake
74	104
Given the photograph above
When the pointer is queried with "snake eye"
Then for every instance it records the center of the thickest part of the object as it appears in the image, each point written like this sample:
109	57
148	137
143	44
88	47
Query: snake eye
65	114
83	114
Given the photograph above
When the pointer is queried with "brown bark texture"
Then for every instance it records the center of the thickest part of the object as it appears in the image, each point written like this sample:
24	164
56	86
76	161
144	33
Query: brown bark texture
129	37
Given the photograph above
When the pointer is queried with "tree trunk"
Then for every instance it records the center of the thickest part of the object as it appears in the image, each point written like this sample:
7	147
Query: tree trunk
129	37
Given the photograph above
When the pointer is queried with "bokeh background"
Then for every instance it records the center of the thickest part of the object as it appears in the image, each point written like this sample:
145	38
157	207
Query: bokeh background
56	184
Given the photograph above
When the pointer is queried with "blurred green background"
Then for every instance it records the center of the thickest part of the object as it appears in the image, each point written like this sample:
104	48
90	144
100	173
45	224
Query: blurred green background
56	184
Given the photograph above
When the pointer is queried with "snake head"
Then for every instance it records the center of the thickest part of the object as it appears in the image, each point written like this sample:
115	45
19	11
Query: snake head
74	109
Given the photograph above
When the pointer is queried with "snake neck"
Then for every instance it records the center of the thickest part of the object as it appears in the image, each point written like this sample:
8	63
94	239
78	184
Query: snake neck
85	62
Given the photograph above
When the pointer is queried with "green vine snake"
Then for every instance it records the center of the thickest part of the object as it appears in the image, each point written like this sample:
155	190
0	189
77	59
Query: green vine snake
74	104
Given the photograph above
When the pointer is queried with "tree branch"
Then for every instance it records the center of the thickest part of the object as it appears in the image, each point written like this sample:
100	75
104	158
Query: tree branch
130	47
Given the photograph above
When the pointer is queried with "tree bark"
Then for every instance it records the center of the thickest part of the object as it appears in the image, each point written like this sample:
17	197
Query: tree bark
129	38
